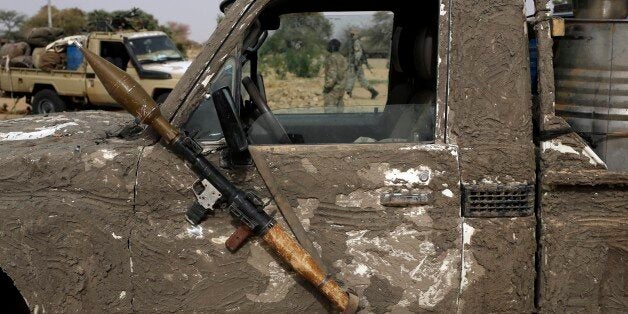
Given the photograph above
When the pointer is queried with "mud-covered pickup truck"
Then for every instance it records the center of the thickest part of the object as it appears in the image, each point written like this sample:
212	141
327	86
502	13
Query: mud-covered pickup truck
453	194
150	57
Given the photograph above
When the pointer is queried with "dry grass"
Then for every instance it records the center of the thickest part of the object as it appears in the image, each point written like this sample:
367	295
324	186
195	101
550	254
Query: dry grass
296	92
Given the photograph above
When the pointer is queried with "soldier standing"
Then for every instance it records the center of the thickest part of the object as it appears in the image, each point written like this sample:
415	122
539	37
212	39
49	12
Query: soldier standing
335	78
357	58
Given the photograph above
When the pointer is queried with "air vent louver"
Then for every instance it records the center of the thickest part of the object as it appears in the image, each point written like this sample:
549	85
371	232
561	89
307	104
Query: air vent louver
497	201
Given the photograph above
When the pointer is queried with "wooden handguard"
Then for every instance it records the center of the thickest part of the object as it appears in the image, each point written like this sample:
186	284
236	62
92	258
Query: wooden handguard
291	252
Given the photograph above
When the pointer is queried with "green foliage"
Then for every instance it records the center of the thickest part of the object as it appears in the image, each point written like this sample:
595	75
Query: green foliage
276	63
72	20
11	22
141	21
306	63
375	39
298	46
379	36
75	21
135	19
98	20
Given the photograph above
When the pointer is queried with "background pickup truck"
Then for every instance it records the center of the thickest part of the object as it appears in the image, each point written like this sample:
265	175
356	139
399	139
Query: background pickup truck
150	57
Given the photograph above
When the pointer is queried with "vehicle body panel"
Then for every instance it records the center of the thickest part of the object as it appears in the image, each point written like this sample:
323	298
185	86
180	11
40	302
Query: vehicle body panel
489	118
584	241
67	205
583	235
25	81
412	258
410	253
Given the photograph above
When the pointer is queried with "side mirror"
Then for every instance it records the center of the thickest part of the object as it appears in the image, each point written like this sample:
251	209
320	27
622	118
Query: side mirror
238	147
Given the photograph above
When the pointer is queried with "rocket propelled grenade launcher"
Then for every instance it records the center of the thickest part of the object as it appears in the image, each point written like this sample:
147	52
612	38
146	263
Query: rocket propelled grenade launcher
128	93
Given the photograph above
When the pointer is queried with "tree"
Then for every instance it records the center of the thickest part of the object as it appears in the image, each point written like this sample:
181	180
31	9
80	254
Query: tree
379	35
11	22
72	21
179	33
98	20
298	45
139	19
134	19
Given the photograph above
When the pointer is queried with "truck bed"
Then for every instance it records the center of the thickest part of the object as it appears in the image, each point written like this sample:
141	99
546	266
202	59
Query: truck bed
23	80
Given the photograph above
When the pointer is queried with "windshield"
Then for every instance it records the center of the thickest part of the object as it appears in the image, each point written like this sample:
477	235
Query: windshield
155	49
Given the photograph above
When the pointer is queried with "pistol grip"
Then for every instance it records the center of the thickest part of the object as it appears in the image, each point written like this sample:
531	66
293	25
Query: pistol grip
238	238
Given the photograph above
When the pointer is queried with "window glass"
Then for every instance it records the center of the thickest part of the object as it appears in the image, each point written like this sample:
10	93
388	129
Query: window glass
203	125
327	78
155	49
328	62
115	52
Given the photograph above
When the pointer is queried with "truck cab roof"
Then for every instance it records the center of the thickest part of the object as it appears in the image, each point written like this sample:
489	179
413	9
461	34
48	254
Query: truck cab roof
126	34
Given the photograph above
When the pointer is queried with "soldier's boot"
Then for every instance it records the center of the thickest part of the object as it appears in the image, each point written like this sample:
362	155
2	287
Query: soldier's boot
374	93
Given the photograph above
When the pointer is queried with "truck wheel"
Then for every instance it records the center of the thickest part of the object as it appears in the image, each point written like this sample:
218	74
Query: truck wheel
162	98
47	101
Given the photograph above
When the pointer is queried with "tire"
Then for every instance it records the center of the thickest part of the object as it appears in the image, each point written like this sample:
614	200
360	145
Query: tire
162	98
47	101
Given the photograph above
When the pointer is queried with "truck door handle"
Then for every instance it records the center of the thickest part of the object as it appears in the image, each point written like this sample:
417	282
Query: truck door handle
404	199
90	75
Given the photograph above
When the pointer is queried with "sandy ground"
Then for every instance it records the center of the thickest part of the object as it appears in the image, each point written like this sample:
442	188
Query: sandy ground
295	92
12	108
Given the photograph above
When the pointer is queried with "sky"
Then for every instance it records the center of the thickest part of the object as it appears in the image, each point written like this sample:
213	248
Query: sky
199	14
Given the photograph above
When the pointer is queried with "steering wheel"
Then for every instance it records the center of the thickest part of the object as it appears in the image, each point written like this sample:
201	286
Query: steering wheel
267	117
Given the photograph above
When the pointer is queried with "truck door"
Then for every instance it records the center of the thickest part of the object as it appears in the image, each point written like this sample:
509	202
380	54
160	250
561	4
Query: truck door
378	197
114	52
370	181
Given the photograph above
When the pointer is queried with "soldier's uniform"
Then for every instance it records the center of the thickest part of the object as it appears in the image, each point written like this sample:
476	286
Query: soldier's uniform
355	70
335	82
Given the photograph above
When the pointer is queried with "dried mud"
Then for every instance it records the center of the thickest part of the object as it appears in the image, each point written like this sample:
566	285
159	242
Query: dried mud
416	249
489	116
342	215
584	234
93	224
489	113
585	250
66	202
501	250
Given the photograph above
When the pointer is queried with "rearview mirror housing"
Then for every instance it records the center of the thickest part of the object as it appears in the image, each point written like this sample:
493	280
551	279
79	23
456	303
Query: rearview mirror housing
235	137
